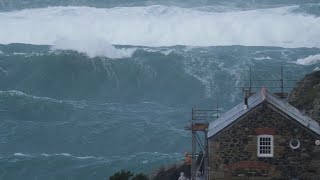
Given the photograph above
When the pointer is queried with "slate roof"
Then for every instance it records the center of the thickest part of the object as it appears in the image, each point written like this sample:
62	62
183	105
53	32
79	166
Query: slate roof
238	111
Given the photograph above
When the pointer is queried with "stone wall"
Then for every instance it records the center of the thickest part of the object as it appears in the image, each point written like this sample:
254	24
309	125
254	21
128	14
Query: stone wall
233	151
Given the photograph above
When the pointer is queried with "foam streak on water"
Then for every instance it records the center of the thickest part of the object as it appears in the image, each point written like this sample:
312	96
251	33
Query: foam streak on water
160	26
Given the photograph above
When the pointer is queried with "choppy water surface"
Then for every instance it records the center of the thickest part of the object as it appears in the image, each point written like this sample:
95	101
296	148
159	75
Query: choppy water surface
88	88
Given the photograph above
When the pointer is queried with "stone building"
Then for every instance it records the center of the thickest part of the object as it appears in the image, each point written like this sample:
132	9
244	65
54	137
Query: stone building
266	138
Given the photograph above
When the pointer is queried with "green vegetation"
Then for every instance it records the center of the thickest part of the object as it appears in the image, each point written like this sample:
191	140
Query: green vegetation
127	175
172	172
169	173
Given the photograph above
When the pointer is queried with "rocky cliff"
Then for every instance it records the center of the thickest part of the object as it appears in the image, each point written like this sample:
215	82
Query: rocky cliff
306	95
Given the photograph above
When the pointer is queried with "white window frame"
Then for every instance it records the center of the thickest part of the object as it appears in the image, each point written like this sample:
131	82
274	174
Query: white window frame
260	146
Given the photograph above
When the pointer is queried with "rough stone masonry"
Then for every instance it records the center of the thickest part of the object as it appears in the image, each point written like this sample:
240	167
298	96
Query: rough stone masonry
233	151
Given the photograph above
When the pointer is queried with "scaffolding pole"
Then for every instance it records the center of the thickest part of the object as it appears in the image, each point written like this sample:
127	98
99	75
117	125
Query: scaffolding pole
199	126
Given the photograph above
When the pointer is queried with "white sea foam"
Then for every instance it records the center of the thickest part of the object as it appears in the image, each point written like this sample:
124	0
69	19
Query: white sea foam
162	51
63	154
21	154
158	26
69	155
87	157
93	48
262	58
310	60
22	94
58	154
18	53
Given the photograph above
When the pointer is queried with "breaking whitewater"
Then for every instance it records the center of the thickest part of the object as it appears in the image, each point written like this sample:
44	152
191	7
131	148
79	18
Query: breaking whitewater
89	88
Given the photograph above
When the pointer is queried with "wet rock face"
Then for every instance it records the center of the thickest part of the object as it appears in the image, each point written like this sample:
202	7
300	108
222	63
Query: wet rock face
233	152
305	95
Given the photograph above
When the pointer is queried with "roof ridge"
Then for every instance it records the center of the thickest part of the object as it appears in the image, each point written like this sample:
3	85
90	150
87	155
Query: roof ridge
295	112
237	111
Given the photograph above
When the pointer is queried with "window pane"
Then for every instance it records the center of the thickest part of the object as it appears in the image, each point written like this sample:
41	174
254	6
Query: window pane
265	145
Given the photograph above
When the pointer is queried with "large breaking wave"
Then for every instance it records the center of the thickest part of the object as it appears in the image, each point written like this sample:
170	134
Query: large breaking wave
170	75
65	115
160	26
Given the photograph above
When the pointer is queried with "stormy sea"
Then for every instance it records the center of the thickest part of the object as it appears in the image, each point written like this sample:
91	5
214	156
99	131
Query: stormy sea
90	87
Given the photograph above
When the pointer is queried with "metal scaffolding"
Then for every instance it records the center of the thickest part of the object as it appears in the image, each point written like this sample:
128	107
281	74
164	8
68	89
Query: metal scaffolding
199	127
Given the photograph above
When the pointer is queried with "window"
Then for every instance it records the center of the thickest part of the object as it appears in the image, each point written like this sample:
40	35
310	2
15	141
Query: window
265	146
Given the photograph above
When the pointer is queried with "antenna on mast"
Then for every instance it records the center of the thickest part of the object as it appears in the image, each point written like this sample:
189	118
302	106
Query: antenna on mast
250	81
248	89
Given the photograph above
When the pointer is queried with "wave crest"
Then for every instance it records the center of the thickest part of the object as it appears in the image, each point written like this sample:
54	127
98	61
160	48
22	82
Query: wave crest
158	26
93	48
